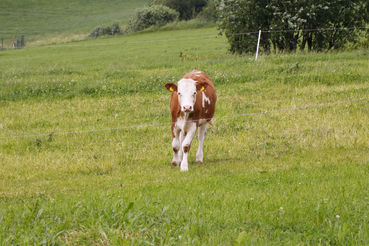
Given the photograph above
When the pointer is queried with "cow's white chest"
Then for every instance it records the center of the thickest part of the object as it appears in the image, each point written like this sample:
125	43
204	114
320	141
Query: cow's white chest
205	99
184	125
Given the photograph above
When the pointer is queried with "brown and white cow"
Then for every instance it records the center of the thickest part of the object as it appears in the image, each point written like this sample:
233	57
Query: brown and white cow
192	105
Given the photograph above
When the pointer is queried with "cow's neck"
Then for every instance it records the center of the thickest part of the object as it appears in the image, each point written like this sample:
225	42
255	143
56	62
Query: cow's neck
186	115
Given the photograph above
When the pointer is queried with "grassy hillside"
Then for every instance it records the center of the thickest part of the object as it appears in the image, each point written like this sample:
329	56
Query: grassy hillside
286	162
59	20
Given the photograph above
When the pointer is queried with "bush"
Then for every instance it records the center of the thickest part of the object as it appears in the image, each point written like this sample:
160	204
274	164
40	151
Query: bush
106	31
100	31
187	9
155	15
115	29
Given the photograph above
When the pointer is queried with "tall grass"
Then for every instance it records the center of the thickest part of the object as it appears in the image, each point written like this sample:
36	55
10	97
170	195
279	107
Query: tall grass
288	177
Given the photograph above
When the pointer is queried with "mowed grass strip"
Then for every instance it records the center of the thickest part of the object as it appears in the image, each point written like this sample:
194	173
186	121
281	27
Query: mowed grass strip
284	177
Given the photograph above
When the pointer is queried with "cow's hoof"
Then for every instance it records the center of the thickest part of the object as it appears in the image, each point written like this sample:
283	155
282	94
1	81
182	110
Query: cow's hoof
184	169
174	164
198	161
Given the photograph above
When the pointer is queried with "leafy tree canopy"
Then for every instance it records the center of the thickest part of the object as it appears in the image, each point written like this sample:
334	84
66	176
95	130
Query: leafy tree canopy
335	18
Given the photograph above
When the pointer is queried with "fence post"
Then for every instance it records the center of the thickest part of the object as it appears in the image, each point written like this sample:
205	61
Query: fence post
22	41
257	46
2	43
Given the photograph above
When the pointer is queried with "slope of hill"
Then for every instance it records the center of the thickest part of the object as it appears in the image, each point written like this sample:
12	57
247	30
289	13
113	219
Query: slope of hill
40	19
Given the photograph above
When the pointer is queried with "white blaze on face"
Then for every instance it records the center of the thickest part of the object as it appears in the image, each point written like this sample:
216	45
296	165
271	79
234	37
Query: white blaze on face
186	94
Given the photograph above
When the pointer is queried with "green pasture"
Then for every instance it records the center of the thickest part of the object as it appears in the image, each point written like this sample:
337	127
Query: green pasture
289	176
45	21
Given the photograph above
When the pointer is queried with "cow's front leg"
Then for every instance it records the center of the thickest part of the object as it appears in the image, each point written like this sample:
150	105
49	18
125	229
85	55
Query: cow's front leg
176	145
202	133
180	152
189	132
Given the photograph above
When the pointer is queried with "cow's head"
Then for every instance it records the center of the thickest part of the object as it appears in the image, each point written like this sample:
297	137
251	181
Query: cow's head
186	90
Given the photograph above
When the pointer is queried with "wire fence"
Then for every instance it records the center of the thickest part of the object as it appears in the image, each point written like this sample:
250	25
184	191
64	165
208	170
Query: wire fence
304	30
184	39
123	42
304	107
15	43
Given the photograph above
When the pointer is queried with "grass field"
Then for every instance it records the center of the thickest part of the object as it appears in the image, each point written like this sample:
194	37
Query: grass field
45	21
285	177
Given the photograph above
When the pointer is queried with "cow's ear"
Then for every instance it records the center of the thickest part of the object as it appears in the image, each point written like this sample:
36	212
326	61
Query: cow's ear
171	87
200	86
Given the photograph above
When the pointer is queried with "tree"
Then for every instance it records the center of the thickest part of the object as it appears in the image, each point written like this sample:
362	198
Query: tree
334	18
239	17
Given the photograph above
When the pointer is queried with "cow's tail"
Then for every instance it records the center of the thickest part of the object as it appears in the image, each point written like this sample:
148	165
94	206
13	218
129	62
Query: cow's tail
211	122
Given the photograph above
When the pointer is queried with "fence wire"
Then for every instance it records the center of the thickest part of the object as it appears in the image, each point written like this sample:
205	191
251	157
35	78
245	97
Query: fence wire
198	37
215	118
304	107
303	30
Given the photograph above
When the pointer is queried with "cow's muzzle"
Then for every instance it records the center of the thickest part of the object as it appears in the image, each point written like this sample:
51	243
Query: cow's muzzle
187	109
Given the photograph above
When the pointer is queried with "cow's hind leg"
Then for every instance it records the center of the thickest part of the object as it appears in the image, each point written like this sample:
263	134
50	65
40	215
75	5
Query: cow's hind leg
177	150
202	133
